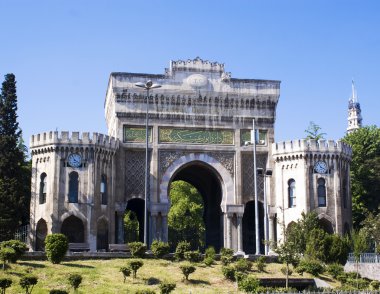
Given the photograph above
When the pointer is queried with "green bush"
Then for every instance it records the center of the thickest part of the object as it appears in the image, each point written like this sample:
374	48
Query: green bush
187	269
166	287
243	265
359	284
58	291
137	249
261	264
159	248
134	265
338	249
334	270
4	284
209	261
131	227
229	272
284	269
249	284
210	252
75	280
6	255
28	282
56	246
180	250
374	285
126	271
312	267
226	256
193	256
19	247
145	291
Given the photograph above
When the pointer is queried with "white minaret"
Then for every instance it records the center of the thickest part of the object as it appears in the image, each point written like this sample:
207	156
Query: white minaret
354	112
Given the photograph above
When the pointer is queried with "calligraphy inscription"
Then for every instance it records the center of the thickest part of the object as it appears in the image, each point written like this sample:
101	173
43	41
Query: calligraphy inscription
136	134
196	136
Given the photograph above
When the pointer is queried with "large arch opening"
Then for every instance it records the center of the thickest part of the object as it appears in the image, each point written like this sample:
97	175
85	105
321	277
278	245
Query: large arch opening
73	228
137	205
102	235
326	225
204	178
249	231
41	232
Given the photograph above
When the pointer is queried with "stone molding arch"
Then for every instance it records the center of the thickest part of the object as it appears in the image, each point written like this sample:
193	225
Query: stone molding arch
324	216
76	213
103	217
227	182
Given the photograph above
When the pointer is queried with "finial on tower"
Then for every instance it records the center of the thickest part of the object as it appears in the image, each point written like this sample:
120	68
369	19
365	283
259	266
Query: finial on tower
354	97
354	111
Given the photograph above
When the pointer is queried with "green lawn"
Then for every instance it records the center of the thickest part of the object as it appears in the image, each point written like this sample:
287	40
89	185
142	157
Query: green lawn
103	276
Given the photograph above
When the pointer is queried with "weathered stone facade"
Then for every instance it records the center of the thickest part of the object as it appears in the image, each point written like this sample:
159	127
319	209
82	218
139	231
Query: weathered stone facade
199	121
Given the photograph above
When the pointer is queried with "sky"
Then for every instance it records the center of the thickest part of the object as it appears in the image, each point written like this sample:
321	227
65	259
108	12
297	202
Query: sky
62	53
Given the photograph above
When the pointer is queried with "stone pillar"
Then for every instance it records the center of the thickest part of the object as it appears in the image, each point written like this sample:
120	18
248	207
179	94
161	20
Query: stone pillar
240	234
154	235
229	236
272	230
164	227
120	224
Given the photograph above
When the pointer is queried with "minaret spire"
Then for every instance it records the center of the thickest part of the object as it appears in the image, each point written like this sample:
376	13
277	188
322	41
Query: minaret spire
354	111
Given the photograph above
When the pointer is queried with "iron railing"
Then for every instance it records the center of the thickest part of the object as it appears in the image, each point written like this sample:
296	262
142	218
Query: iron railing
365	258
22	233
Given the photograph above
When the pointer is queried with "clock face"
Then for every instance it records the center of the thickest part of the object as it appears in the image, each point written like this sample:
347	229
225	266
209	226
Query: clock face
74	160
320	167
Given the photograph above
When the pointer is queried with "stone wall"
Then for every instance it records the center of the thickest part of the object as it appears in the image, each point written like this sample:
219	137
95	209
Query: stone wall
366	270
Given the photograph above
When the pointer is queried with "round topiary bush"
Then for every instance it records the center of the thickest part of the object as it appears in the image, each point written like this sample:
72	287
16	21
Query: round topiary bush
210	252
19	247
229	272
249	284
126	271
187	269
180	250
75	280
137	249
243	265
261	264
134	265
56	246
313	267
159	248
4	284
6	255
226	256
28	282
166	287
334	270
193	256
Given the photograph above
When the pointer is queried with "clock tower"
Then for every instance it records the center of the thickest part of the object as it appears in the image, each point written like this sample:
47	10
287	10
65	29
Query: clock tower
354	112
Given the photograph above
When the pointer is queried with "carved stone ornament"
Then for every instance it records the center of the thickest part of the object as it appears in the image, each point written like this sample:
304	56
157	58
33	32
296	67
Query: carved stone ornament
197	81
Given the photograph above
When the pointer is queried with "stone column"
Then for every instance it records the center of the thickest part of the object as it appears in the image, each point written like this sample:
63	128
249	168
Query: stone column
271	228
240	234
229	236
164	227
154	232
120	231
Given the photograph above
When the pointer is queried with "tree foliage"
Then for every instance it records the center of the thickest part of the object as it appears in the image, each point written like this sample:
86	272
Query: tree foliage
365	172
14	191
313	131
56	246
131	227
185	218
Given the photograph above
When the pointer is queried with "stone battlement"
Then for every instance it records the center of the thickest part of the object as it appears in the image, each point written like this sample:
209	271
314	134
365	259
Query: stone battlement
311	145
54	138
196	64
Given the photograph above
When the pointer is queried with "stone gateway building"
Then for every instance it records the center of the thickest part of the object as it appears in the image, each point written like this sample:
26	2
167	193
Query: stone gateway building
200	123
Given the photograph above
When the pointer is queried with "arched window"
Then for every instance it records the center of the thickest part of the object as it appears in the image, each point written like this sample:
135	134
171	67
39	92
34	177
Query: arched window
43	188
321	191
292	192
73	187
103	190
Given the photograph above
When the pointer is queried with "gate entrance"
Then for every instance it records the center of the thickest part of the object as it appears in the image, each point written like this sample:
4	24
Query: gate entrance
205	180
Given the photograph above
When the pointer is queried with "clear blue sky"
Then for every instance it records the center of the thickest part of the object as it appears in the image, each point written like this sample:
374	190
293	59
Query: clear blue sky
62	53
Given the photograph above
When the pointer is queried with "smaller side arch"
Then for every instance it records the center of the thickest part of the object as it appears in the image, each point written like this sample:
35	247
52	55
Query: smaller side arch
41	233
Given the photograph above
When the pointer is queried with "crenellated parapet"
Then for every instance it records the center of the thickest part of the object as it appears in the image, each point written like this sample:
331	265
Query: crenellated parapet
304	148
196	64
54	140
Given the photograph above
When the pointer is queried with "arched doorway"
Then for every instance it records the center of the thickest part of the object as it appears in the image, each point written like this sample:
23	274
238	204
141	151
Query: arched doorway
102	235
137	205
249	228
41	232
204	178
326	225
73	228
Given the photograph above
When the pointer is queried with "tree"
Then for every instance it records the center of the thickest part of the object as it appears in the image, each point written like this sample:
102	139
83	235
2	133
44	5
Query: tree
372	226
313	132
11	161
185	218
287	254
365	172
359	239
131	227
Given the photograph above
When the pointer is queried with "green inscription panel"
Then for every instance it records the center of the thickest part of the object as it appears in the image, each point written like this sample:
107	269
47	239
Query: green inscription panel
245	136
196	136
136	134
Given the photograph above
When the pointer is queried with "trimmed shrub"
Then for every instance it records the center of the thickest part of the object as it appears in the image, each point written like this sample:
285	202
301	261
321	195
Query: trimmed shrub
261	264
58	291
210	252
180	250
334	270
193	256
134	265
312	267
137	249
145	291
229	272
19	247
126	271
358	284
187	269
284	269
6	255
227	256
166	287
4	284
249	284
209	261
159	248
243	265
374	285
56	246
75	280
28	282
